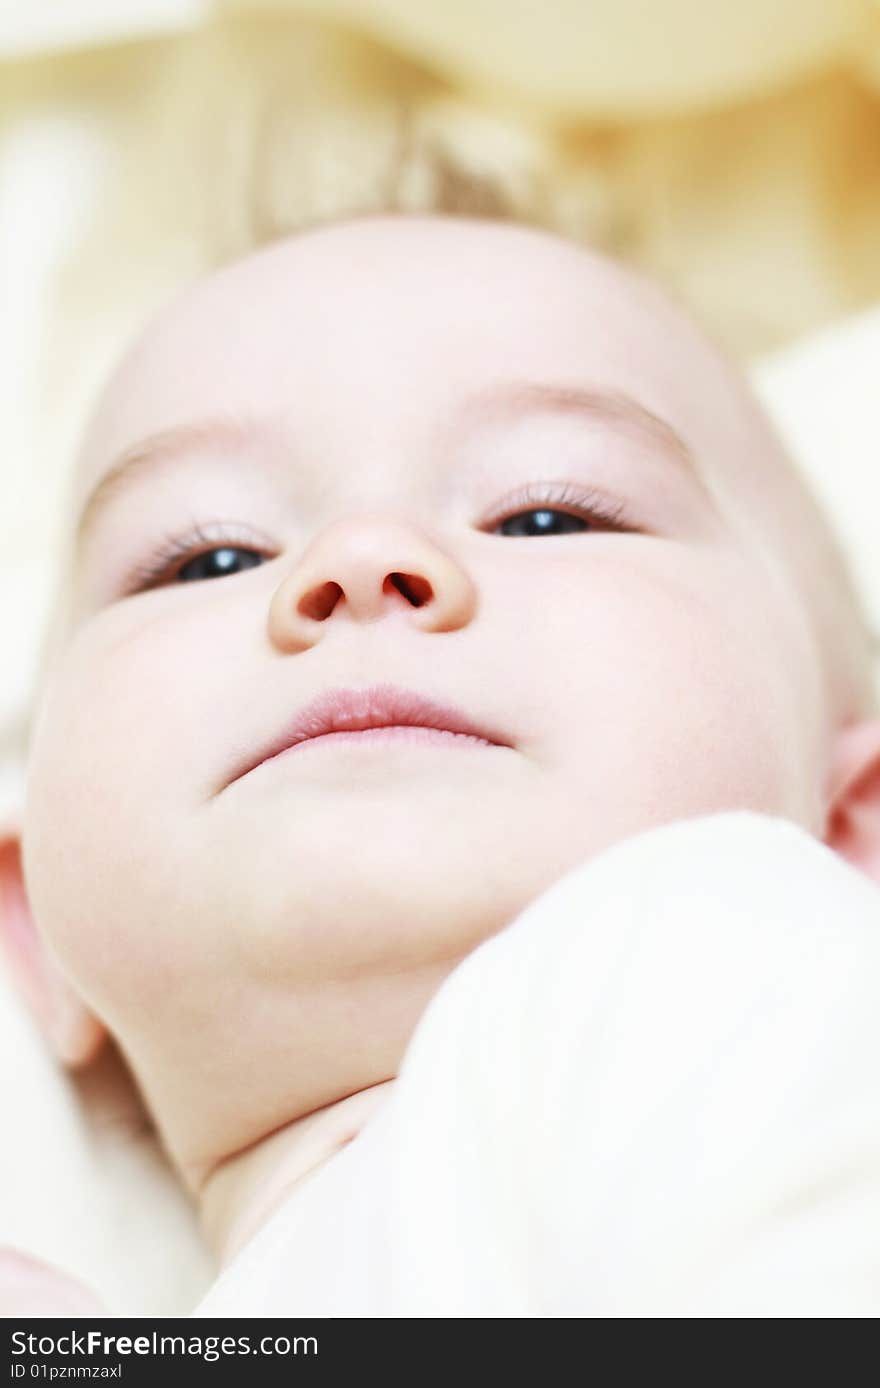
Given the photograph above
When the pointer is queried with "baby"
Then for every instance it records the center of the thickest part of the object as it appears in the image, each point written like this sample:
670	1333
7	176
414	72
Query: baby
414	561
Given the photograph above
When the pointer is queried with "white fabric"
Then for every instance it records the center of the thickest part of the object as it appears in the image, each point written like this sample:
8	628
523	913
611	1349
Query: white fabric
84	1184
656	1093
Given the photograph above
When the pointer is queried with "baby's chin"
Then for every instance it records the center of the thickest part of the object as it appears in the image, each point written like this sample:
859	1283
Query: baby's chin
374	881
352	897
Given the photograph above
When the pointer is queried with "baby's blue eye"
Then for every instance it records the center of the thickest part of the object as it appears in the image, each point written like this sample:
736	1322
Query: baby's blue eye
216	563
541	522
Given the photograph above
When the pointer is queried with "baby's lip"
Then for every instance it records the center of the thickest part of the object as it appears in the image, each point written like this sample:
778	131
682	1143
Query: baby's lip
378	706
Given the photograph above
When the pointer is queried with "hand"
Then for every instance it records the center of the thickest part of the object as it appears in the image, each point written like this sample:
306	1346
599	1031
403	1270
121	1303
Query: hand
30	1287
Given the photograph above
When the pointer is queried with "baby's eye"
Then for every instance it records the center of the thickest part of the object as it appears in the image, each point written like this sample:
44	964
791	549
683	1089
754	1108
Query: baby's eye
583	510
216	563
200	553
543	522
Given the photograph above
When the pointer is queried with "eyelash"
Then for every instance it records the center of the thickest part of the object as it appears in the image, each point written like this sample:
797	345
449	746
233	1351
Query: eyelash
198	540
588	503
585	502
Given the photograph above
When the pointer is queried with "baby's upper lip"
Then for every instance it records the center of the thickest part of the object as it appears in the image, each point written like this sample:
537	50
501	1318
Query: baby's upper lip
378	706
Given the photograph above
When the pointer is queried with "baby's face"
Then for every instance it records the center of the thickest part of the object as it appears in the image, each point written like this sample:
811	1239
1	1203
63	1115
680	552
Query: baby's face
561	471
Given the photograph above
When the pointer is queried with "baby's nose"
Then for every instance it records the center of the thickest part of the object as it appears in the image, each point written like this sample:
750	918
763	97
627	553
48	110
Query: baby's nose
363	568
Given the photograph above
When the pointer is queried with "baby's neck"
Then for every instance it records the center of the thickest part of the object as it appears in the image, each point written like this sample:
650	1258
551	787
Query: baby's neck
242	1193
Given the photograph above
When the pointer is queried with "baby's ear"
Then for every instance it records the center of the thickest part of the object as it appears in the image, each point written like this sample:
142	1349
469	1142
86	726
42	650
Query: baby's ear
74	1033
853	810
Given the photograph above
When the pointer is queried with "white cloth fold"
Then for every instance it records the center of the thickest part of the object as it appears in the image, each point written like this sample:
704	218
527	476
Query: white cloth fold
655	1093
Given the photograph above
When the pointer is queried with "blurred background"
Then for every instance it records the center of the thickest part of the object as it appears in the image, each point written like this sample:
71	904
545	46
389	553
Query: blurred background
730	147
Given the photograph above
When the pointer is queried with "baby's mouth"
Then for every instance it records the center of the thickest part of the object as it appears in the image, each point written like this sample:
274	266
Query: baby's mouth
371	716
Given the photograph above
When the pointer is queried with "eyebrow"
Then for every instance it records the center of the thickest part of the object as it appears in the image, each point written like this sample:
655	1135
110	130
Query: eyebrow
511	399
230	432
500	402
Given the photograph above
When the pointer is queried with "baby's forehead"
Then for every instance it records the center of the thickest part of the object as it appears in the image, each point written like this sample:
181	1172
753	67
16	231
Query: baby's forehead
392	318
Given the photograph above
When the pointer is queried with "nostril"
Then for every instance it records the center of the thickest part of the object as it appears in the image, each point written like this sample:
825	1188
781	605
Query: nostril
320	602
415	589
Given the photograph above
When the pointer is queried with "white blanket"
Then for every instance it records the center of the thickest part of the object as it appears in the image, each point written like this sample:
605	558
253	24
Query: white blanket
656	1093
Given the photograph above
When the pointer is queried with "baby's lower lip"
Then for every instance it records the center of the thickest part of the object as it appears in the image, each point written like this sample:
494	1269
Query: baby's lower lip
377	742
397	732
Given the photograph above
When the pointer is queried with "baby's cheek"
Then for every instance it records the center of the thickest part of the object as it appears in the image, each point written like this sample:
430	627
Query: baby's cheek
106	767
730	708
688	692
116	719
